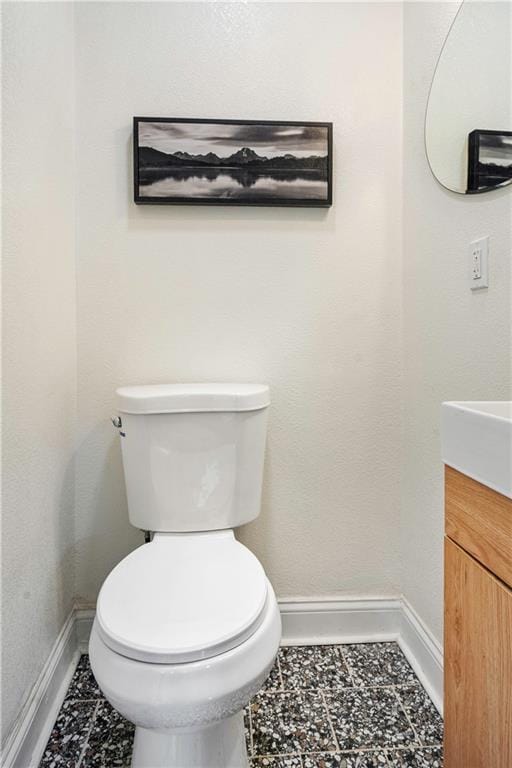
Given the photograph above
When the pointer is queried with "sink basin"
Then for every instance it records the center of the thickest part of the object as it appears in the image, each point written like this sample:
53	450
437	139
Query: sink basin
476	439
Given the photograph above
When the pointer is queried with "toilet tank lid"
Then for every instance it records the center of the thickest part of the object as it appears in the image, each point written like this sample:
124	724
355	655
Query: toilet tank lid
192	398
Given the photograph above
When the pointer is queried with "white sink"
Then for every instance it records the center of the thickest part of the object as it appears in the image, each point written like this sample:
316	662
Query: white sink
476	439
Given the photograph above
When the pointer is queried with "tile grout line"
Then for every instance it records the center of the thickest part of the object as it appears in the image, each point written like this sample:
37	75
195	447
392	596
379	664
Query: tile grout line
341	652
251	739
341	752
322	694
280	672
357	751
338	689
404	710
73	700
415	749
89	731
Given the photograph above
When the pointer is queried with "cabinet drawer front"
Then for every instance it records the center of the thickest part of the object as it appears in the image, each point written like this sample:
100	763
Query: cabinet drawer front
480	521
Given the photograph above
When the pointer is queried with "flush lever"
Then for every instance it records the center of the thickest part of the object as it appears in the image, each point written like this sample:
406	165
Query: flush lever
116	421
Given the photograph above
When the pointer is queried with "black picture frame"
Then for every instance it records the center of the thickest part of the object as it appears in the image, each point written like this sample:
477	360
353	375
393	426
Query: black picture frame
243	175
483	176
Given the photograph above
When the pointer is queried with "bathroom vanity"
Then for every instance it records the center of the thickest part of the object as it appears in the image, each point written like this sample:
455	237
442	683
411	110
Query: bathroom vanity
477	452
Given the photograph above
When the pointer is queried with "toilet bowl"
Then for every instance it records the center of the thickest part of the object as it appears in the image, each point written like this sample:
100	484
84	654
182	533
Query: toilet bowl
187	626
186	631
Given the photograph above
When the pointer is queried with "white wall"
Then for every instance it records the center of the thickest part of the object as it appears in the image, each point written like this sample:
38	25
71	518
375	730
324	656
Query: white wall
306	300
457	344
39	343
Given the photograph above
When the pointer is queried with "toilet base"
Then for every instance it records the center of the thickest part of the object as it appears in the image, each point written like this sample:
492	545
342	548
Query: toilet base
220	745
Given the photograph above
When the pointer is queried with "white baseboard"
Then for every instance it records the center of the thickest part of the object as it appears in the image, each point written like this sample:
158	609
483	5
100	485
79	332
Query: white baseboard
305	622
330	621
26	742
423	652
84	618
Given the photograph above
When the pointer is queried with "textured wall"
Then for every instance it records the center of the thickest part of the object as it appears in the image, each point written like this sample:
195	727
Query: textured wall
39	343
457	344
306	300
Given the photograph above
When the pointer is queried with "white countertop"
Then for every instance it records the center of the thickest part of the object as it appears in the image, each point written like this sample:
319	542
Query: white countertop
476	439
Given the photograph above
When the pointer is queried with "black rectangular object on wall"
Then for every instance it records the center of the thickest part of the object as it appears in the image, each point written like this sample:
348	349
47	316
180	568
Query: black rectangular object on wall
181	161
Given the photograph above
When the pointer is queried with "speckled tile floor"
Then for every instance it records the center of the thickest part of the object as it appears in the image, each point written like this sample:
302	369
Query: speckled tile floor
346	706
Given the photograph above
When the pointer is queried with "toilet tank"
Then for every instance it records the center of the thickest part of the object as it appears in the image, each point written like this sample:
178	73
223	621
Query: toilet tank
193	454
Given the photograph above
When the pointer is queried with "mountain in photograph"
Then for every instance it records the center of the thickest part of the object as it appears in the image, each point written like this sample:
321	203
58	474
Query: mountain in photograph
245	157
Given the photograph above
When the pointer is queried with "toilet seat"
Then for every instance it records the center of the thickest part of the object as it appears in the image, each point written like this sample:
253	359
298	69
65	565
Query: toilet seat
182	598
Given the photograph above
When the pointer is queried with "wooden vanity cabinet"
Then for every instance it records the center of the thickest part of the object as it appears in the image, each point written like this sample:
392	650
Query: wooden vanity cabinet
478	625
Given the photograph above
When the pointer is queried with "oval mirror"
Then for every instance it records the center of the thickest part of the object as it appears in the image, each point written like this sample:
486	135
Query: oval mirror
468	124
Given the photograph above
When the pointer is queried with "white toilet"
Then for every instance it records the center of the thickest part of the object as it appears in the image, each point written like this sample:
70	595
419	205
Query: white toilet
187	626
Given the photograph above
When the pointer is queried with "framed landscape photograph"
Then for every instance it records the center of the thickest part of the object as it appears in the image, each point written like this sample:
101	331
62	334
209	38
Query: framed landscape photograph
489	159
232	162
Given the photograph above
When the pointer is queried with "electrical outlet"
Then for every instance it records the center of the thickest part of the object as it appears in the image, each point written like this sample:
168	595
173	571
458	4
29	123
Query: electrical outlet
479	264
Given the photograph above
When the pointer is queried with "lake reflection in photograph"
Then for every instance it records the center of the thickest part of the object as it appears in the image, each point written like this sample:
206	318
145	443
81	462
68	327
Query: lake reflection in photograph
234	183
228	162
